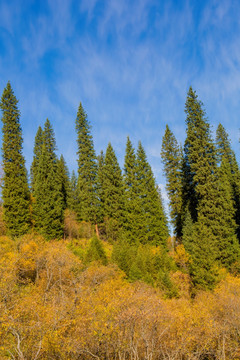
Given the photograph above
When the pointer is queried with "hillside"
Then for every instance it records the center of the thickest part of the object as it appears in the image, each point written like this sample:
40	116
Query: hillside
58	305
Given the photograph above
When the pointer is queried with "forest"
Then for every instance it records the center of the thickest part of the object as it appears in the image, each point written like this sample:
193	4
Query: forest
88	269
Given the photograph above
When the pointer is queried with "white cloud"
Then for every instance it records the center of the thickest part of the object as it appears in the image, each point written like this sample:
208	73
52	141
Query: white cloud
131	69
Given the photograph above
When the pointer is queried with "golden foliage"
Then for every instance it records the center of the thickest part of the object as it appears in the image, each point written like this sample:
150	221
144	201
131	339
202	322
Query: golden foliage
181	257
3	229
65	311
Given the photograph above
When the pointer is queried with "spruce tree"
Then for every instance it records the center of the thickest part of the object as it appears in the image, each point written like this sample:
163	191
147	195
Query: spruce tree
49	203
130	169
63	174
227	243
187	232
112	187
200	154
49	141
100	187
15	191
87	169
213	239
96	252
152	221
132	208
73	194
172	160
224	150
200	191
203	267
36	156
224	145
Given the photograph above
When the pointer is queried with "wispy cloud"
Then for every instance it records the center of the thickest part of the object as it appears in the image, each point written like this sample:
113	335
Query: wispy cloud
130	63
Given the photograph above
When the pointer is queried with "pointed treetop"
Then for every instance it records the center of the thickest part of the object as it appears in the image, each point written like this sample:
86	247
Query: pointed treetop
129	165
49	140
223	143
8	93
87	168
15	192
193	107
82	123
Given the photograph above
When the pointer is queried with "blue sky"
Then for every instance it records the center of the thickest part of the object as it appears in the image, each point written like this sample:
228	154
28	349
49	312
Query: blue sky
130	63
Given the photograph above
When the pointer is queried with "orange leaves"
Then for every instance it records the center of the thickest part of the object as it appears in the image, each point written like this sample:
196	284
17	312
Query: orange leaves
181	257
27	262
70	312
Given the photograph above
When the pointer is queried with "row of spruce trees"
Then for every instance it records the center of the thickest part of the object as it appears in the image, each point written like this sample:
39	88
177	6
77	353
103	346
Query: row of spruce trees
129	203
203	184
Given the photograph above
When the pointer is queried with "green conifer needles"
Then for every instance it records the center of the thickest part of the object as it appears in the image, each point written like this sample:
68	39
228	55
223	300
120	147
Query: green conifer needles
49	199
87	168
15	192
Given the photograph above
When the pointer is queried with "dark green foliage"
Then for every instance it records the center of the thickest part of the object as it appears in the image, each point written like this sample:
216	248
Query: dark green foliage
49	141
124	255
200	192
146	263
100	188
200	153
133	216
36	156
87	168
110	196
200	242
145	220
152	225
188	232
130	170
209	233
227	244
110	230
189	196
203	185
49	201
203	268
63	174
224	146
172	160
224	150
112	187
136	273
73	193
15	191
169	288
95	251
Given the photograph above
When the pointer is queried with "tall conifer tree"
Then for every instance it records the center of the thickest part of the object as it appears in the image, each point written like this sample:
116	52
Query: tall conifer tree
200	154
153	221
203	268
200	190
112	187
224	150
87	168
36	156
64	179
227	244
73	194
132	210
15	192
100	187
212	236
49	203
172	160
187	232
